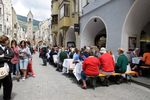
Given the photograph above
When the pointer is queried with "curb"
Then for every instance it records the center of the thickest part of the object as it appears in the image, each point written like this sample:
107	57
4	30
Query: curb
140	83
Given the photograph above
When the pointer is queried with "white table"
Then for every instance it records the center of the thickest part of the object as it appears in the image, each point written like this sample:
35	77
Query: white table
68	64
77	70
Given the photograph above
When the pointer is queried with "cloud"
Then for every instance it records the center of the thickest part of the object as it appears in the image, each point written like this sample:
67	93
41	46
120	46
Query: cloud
40	8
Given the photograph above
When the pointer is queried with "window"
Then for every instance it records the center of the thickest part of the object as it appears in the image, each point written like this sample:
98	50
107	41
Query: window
55	19
0	27
15	25
64	11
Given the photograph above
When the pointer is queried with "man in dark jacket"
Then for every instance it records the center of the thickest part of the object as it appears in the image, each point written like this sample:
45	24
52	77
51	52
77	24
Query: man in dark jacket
6	55
44	52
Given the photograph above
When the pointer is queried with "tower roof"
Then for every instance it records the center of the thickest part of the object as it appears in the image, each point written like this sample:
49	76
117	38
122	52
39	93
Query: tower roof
30	13
1	2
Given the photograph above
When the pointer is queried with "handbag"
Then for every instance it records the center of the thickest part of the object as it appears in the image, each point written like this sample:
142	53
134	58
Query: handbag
4	71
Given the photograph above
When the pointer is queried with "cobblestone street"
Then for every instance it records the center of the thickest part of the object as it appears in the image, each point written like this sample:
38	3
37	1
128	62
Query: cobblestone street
52	85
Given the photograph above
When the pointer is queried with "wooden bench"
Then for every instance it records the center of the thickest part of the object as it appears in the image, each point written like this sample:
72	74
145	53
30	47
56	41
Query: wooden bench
128	73
144	68
133	73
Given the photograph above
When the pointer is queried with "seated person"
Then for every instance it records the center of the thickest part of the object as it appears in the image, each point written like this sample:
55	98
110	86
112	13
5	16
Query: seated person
146	59
90	68
121	65
76	56
122	62
107	65
134	57
106	62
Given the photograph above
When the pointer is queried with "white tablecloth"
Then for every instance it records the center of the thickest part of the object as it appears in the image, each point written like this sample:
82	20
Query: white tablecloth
77	70
55	58
68	64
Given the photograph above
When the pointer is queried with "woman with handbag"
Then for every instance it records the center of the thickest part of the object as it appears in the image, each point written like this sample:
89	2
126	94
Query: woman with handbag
5	56
24	55
15	59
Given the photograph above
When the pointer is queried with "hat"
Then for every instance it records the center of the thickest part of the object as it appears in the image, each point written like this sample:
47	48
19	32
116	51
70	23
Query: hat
103	50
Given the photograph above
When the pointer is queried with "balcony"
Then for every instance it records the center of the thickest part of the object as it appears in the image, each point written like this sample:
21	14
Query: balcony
64	22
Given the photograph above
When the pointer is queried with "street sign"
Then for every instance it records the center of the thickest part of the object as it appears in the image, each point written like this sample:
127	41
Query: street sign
76	28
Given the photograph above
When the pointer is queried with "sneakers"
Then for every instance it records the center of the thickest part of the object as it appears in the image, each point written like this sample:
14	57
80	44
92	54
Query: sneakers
33	75
23	78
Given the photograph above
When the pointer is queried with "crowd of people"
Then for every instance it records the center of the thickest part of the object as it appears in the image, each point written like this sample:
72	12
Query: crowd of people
94	60
19	59
18	56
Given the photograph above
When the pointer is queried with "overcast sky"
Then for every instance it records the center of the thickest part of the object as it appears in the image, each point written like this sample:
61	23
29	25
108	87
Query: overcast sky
40	8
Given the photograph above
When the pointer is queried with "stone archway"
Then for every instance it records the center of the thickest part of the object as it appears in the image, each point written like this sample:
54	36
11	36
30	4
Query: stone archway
94	33
70	37
136	25
60	39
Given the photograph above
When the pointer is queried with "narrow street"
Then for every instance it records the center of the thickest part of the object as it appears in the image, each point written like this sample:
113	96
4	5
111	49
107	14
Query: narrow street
52	85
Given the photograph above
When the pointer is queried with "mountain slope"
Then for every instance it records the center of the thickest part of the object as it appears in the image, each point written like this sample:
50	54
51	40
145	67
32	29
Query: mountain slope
23	23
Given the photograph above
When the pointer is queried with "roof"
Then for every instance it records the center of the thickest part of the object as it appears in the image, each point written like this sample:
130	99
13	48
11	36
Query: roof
30	13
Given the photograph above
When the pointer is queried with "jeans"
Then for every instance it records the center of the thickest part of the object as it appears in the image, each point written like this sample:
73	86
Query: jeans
24	63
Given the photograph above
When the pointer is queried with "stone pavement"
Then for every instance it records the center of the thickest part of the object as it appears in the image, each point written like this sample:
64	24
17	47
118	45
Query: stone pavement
52	85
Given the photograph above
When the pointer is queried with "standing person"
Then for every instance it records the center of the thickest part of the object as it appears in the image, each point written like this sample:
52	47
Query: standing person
24	55
6	55
15	59
29	68
43	54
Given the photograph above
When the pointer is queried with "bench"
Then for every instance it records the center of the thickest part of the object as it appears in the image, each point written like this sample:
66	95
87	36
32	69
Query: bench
144	68
133	73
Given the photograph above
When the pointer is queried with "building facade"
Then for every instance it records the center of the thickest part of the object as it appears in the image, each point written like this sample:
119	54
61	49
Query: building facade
6	17
45	31
15	25
54	21
65	14
1	17
115	23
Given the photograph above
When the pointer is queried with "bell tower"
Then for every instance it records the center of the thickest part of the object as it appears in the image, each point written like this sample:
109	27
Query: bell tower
29	26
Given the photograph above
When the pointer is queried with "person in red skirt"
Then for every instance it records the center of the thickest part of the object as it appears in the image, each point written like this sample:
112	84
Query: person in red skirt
29	68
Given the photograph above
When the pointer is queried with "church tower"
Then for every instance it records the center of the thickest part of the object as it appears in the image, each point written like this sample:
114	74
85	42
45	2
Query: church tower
29	26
